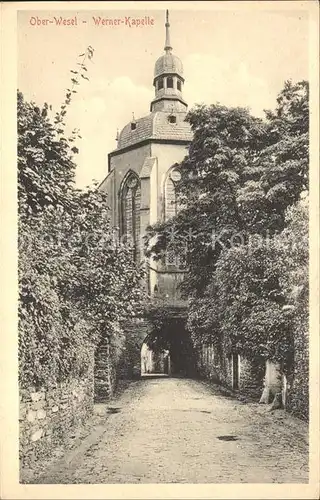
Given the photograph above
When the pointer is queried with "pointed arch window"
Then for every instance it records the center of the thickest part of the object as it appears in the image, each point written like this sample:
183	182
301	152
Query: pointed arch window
130	212
171	208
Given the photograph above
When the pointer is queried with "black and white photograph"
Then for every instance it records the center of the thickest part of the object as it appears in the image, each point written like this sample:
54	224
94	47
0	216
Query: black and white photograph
166	192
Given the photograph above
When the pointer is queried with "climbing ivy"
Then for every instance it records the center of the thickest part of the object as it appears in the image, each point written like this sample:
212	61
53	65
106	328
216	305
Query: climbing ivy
240	182
77	284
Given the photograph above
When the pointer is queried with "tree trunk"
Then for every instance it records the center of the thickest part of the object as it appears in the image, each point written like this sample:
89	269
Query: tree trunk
272	382
109	371
277	402
284	390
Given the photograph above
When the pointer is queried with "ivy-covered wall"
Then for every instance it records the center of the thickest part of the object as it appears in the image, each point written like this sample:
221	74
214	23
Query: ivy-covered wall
251	377
245	376
218	368
105	378
212	366
298	394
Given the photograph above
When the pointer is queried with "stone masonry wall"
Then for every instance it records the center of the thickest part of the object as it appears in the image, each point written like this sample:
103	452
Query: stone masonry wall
105	377
251	377
212	366
129	366
47	417
216	366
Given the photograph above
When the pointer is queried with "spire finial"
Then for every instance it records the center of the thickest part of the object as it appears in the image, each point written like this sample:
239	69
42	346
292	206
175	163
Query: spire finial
167	47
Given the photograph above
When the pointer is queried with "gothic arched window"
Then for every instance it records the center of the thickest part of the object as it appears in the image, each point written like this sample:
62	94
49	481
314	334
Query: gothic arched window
171	206
171	209
130	212
170	199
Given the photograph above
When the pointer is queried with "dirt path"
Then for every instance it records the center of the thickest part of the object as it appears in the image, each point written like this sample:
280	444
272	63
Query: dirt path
180	431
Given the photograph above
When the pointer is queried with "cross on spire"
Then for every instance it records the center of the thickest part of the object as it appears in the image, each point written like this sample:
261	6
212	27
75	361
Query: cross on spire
167	47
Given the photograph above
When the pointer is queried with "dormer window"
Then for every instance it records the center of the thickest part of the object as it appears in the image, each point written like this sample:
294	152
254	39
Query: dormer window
179	85
133	125
172	119
160	84
169	83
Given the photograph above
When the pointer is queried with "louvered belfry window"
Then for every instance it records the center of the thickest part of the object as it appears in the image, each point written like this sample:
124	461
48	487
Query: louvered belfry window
130	213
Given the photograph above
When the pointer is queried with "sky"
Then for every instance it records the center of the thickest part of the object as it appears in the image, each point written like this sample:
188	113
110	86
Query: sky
233	56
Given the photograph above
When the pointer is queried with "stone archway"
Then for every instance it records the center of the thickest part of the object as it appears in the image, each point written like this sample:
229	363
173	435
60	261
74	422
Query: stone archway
128	366
169	335
174	358
136	331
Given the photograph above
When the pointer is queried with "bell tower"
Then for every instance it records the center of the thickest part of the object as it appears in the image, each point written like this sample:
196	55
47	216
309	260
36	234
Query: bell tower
168	79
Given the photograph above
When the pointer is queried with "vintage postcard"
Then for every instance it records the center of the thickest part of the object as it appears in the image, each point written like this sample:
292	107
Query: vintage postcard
160	211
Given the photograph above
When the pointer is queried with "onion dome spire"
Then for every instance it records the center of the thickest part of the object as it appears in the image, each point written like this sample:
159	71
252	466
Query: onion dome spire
168	79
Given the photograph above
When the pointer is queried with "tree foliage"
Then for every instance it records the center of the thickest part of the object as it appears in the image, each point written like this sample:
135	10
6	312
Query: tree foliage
241	183
77	284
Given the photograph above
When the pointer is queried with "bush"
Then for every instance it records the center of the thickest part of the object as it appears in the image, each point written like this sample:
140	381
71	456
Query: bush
76	284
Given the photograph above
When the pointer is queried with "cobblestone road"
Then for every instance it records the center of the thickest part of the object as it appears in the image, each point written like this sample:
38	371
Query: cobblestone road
167	431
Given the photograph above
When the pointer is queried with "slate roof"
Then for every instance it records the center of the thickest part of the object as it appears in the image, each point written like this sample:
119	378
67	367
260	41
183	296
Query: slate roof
156	125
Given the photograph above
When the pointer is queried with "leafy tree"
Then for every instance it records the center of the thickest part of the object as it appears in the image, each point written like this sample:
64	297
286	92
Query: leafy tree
45	165
240	180
225	143
77	284
239	177
250	302
294	259
203	318
279	174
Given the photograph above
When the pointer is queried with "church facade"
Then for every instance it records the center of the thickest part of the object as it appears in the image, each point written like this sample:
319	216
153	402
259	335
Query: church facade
143	173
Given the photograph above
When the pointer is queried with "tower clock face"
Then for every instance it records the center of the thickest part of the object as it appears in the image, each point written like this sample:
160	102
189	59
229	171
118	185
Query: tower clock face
175	175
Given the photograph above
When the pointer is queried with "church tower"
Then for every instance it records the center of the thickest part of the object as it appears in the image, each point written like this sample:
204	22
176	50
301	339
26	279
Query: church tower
168	79
142	170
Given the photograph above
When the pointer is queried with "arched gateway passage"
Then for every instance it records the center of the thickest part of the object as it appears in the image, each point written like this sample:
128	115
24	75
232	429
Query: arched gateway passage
159	344
167	349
